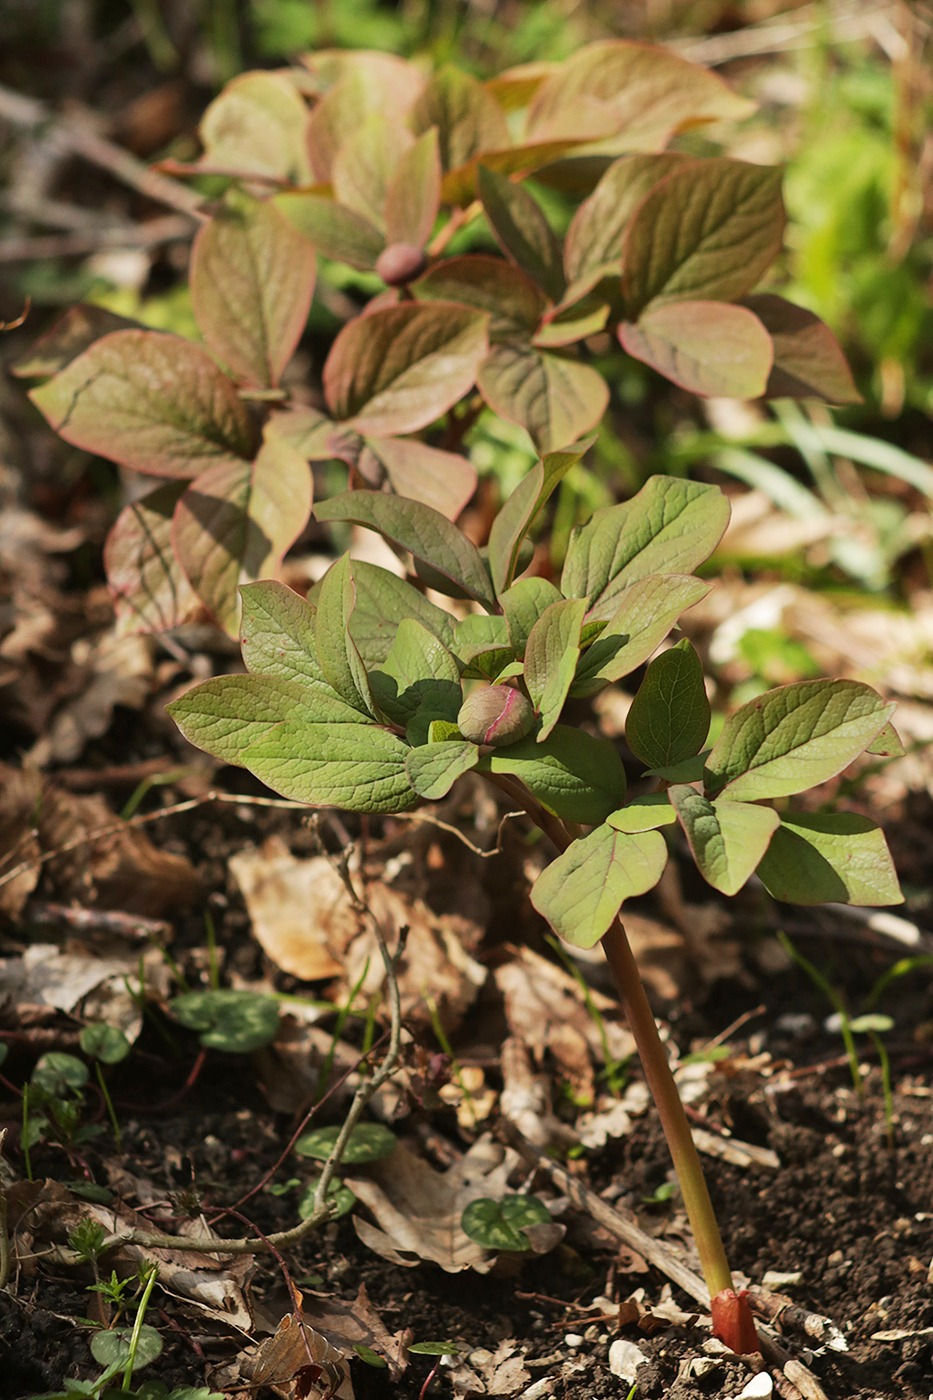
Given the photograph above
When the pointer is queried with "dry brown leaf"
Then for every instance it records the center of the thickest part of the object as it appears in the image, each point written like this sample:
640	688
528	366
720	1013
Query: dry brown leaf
499	1372
110	671
300	909
290	1362
348	1324
19	801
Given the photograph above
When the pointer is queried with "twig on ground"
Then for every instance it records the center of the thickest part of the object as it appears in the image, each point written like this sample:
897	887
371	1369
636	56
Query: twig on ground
790	1317
169	228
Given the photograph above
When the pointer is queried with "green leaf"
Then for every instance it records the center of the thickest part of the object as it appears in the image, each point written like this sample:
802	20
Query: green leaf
596	236
517	515
277	634
643	615
833	857
382	600
554	398
468	119
669	718
397	369
523	604
413	195
368	1142
501	1224
426	533
572	774
313	434
434	1349
566	325
236	521
792	738
727	839
670	526
487	284
225	715
71	334
808	360
368	85
258	125
871	1021
335	232
581	892
363	166
234	1021
443	480
57	1073
252	279
356	766
419	673
434	768
522	230
340	1198
337	652
706	232
105	1043
149	401
707	347
150	591
114	1346
688	770
551	656
646	813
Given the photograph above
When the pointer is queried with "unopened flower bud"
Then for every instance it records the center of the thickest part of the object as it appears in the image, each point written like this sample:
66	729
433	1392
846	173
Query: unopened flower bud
399	263
495	714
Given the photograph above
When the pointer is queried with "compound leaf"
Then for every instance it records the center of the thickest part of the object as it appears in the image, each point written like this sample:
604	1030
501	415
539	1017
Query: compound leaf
727	839
580	892
669	718
831	857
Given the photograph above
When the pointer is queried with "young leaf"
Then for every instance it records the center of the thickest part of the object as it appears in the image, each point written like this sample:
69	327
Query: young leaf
234	524
396	370
150	591
419	673
566	325
225	715
514	304
413	195
646	813
426	533
669	718
554	398
71	334
258	125
670	526
368	1142
705	233
359	767
382	600
252	279
502	1224
580	892
517	515
572	774
277	634
150	401
364	164
443	480
337	652
640	618
551	656
727	839
434	768
523	604
708	347
596	235
313	434
360	94
522	230
228	1019
336	232
838	857
794	737
482	643
468	118
808	360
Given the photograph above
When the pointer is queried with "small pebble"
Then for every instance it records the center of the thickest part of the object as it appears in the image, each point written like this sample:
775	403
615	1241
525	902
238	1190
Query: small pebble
758	1388
573	1340
775	1281
625	1359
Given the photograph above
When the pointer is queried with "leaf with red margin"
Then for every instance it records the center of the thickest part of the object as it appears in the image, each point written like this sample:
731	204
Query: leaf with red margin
336	232
521	230
443	480
364	165
514	303
234	524
71	334
413	196
258	124
708	347
596	235
150	401
252	280
556	399
397	370
808	359
467	117
150	591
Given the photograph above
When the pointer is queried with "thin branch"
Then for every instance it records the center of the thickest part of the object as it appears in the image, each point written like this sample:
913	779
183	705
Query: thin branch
169	228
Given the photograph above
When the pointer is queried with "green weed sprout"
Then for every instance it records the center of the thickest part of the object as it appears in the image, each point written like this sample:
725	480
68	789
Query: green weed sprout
372	698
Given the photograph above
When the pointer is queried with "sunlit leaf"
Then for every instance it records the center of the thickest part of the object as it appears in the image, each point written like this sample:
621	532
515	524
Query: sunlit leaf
467	117
580	892
231	1020
443	480
727	839
360	767
522	230
556	399
434	768
709	347
337	652
572	774
368	1142
414	193
523	604
514	303
418	673
258	125
518	513
277	635
364	165
336	232
551	655
502	1224
645	813
596	236
225	715
382	600
640	618
151	592
71	334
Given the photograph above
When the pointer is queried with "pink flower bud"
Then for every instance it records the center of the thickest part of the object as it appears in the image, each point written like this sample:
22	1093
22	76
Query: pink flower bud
495	714
399	263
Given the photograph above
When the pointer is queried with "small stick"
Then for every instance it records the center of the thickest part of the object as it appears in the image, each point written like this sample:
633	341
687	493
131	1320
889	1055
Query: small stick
169	228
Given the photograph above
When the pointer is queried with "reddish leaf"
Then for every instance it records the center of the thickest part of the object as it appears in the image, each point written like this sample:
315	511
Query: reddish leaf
443	480
571	323
252	279
234	524
596	234
414	193
705	233
468	118
514	304
364	89
364	165
514	88
258	125
150	591
317	437
459	185
649	92
808	360
335	232
150	401
398	369
556	399
708	347
521	230
74	332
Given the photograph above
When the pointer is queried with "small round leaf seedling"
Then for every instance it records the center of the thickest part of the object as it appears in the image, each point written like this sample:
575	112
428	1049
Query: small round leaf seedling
340	1197
235	1021
113	1347
57	1073
501	1224
105	1043
369	1142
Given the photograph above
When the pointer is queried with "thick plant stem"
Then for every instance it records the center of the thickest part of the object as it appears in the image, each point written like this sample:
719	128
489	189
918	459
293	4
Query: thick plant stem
654	1061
